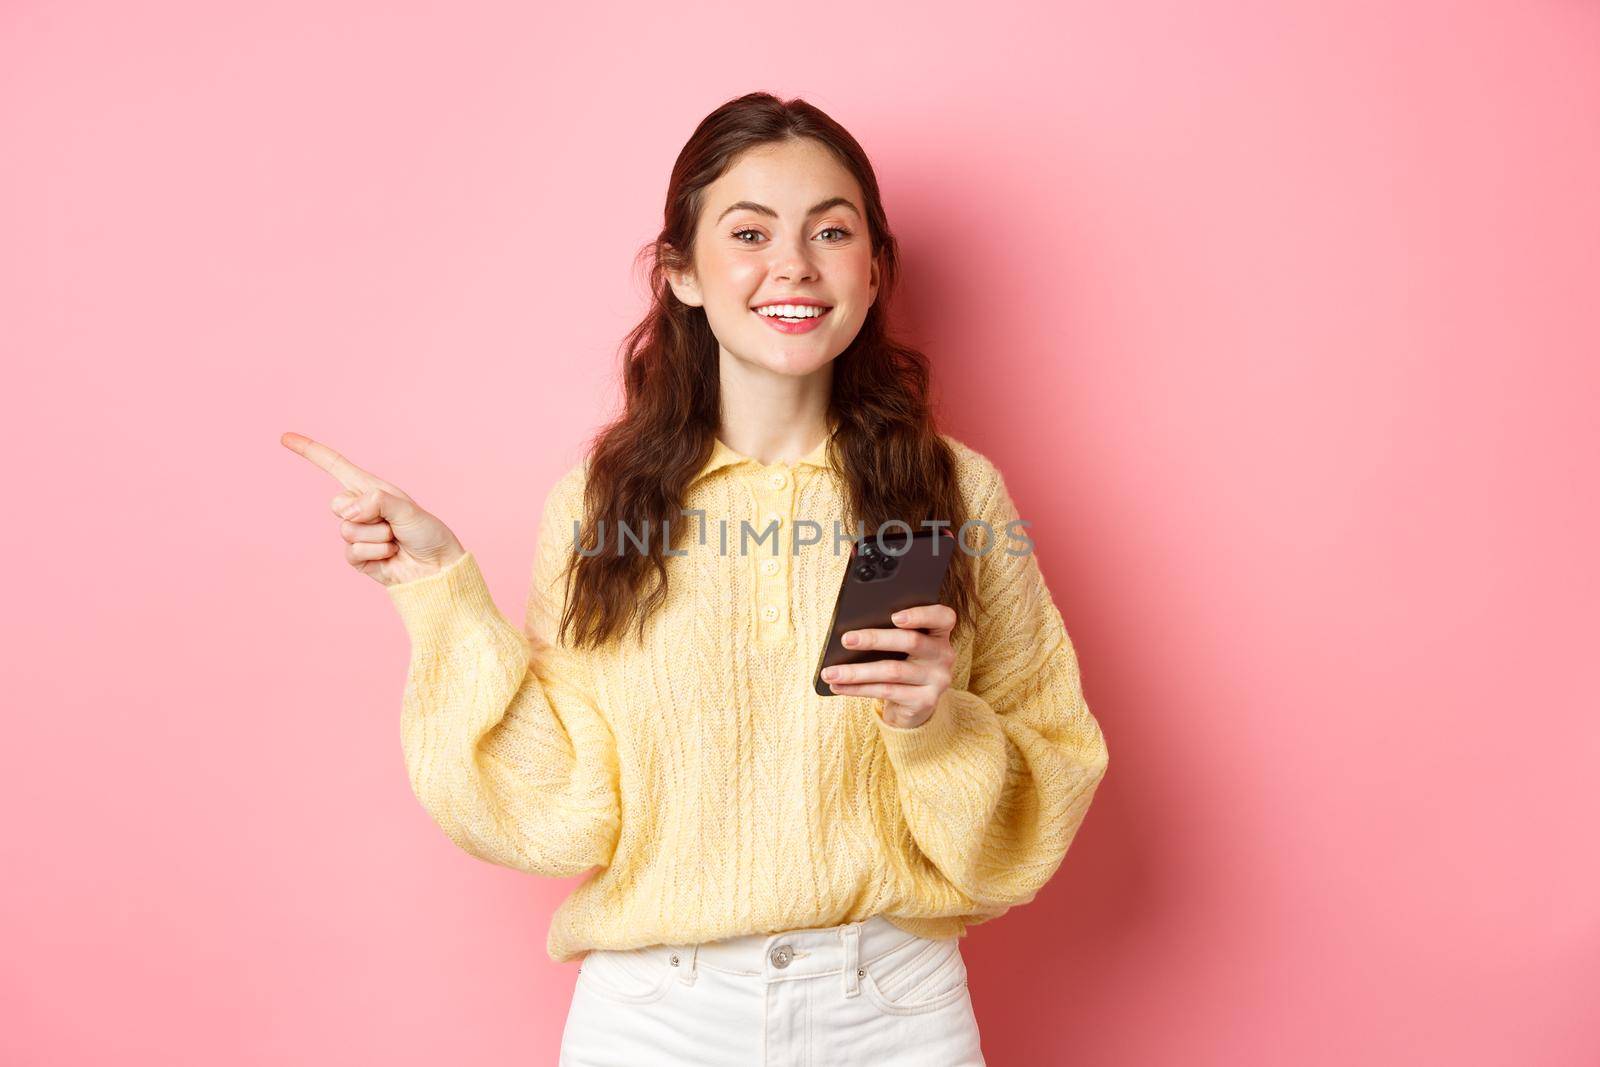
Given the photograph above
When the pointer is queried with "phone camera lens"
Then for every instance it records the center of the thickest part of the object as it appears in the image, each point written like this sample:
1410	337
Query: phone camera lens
866	572
889	563
868	550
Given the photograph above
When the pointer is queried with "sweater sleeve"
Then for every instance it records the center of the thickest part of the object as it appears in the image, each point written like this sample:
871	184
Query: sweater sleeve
503	743
995	784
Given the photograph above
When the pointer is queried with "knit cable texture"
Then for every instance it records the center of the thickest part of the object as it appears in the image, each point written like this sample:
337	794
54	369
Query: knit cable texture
710	790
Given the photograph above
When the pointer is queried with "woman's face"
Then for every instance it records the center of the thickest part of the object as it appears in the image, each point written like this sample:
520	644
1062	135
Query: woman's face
784	223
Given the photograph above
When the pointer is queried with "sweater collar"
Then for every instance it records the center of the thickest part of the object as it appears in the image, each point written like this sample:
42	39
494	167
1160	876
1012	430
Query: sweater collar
723	456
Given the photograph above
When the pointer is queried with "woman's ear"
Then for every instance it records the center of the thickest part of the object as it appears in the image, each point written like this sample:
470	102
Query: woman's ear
685	286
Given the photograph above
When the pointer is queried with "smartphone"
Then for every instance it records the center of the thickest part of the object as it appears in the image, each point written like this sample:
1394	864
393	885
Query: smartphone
898	569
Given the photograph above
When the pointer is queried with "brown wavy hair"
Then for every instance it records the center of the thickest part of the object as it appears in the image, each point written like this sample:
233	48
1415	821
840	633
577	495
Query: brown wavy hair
885	443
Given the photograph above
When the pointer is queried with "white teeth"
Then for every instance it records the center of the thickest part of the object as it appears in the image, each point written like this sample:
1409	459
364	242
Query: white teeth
790	311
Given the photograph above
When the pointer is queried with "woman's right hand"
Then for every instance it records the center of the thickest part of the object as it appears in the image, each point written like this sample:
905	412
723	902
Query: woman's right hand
388	538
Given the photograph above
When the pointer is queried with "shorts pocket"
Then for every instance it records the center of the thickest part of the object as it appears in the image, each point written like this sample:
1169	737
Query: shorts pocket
920	975
625	976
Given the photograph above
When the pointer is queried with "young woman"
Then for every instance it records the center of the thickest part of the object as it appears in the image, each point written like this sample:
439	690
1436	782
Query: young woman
779	876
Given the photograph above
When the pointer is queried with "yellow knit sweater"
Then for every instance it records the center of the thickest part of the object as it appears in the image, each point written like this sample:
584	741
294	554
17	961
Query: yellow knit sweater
715	792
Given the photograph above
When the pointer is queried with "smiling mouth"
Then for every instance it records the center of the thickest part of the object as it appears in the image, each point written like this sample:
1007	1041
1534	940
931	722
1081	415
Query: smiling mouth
791	312
794	320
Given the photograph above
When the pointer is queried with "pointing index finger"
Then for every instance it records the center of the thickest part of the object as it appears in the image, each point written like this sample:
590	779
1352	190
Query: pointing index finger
349	475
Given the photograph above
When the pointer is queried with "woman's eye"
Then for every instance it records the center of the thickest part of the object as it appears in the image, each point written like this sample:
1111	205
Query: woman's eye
741	233
838	229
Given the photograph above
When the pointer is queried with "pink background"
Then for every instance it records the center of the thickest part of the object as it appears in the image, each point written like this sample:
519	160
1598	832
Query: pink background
1280	319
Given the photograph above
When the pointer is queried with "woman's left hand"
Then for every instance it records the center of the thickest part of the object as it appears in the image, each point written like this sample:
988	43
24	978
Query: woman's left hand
911	687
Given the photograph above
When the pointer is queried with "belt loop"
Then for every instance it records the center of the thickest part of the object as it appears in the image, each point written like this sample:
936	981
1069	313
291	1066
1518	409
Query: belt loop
691	972
852	958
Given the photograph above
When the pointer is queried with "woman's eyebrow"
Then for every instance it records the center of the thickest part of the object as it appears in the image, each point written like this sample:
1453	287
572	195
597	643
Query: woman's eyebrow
751	205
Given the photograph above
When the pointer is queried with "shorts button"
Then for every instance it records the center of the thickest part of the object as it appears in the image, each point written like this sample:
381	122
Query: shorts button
782	955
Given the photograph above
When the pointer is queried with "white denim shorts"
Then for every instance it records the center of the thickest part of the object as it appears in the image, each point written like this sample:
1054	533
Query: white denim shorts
859	993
